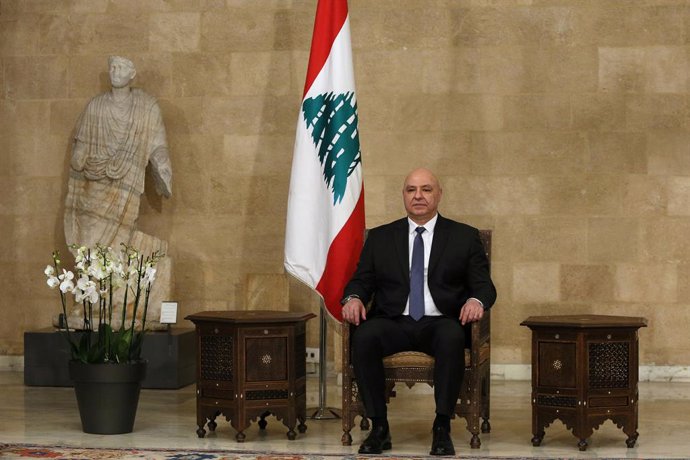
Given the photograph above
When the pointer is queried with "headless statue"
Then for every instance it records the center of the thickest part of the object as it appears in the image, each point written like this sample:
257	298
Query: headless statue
119	133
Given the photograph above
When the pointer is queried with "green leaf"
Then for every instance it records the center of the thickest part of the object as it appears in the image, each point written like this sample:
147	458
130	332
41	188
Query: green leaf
75	349
135	353
83	351
124	342
96	355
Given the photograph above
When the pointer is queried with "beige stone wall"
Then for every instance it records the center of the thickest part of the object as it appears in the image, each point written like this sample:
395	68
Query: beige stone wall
563	125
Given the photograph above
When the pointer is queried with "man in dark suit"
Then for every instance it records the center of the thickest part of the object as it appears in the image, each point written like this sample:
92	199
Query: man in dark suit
426	276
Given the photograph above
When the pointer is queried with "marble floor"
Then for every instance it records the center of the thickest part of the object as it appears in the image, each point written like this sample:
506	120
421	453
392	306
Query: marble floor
166	418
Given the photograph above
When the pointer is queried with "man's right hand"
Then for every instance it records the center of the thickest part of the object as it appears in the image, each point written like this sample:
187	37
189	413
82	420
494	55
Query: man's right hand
354	311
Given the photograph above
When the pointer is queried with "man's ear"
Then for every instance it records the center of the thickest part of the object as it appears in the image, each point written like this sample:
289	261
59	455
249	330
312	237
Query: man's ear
134	74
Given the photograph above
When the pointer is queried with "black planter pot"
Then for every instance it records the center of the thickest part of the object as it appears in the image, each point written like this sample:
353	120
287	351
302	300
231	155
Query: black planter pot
107	395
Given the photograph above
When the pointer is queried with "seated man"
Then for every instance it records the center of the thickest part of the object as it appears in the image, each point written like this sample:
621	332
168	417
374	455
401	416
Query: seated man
428	277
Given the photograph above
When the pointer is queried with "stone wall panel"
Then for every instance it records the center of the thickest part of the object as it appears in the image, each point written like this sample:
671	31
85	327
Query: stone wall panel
653	111
562	125
108	33
35	77
599	112
528	152
19	34
617	152
646	283
536	282
260	74
587	283
542	239
664	240
528	112
613	239
174	32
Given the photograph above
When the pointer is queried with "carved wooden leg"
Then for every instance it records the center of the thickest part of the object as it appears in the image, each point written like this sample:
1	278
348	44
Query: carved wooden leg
292	434
475	442
262	421
346	438
537	438
201	421
629	425
364	424
582	445
240	436
486	426
212	421
301	427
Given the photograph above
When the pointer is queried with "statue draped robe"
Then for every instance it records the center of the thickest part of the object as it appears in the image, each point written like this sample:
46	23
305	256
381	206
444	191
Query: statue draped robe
108	169
114	142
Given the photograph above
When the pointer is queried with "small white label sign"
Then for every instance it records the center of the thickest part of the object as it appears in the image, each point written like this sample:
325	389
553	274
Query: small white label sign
168	313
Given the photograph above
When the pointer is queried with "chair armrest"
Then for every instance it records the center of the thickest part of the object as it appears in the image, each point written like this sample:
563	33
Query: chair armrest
346	330
481	336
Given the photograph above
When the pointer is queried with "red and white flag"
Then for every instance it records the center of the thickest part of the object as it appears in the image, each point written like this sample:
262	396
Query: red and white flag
325	218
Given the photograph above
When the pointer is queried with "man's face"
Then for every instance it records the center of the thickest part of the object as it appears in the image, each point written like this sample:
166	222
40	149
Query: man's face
421	195
121	73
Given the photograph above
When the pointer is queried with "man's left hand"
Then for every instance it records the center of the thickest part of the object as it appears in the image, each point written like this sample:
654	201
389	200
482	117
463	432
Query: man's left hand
471	311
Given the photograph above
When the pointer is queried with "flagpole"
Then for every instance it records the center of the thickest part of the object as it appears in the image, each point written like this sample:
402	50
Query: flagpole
322	412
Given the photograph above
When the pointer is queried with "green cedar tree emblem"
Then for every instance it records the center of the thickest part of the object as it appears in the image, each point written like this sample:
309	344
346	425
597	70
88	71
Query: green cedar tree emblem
333	119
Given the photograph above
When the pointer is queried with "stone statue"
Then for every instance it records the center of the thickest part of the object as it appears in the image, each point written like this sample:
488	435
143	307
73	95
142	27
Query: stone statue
119	133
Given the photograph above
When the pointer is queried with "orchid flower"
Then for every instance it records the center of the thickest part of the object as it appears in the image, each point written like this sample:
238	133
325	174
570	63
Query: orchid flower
67	285
97	270
101	275
84	283
52	279
92	295
149	275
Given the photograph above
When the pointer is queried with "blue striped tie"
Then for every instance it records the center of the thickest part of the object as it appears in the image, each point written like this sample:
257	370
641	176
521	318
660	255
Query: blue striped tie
417	276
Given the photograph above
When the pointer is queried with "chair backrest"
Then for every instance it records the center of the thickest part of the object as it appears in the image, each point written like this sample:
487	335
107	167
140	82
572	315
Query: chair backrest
485	236
483	332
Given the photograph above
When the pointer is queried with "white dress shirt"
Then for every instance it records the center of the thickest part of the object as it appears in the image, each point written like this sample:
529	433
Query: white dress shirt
428	237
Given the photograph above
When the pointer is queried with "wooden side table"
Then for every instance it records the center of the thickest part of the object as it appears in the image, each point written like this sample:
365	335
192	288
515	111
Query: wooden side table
584	371
251	364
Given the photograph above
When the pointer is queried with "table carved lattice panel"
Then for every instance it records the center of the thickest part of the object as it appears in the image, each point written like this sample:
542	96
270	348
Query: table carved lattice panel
608	365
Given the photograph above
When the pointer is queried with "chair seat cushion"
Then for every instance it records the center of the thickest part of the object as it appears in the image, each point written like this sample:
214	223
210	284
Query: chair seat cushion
415	359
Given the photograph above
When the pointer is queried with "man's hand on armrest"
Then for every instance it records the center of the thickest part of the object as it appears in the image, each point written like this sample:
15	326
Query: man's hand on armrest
473	310
354	311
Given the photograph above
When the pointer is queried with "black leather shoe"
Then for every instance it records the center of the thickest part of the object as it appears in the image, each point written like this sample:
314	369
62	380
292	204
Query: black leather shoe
441	443
379	439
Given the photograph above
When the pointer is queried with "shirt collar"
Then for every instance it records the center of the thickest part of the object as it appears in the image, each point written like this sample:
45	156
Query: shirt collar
429	226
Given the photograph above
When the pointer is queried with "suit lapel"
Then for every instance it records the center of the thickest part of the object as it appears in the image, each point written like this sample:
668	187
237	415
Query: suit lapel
439	243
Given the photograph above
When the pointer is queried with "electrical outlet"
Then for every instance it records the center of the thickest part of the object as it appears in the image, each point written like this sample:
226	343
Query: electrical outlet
312	355
312	399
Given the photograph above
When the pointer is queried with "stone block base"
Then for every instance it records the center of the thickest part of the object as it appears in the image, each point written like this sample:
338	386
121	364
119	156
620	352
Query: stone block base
171	356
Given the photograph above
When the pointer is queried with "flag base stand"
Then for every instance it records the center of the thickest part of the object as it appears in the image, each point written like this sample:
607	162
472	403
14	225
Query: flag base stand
325	413
322	412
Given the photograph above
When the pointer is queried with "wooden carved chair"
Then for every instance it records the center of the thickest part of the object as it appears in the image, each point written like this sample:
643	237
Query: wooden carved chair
413	367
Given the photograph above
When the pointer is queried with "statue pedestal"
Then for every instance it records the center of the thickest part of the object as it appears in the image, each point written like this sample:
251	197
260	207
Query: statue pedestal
171	356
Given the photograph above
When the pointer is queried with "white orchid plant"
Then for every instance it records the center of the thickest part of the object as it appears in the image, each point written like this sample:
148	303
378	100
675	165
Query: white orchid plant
101	273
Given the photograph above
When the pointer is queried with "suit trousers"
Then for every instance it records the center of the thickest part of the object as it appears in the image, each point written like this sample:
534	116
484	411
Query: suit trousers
442	337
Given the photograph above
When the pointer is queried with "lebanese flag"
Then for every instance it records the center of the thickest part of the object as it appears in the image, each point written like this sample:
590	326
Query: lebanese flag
325	217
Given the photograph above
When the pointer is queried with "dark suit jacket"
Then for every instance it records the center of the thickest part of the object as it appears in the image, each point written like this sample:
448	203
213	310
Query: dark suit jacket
458	269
